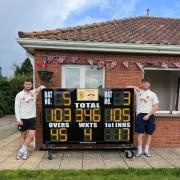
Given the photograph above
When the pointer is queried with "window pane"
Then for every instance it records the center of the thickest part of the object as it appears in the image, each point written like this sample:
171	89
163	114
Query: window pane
165	84
72	77
93	77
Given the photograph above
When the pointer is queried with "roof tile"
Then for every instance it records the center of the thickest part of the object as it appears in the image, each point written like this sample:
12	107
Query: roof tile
140	30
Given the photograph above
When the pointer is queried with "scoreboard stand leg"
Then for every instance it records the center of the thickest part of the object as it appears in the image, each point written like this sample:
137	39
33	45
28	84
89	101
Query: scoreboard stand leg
50	152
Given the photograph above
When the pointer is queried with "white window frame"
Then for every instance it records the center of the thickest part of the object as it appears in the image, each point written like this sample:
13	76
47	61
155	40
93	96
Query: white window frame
160	69
82	74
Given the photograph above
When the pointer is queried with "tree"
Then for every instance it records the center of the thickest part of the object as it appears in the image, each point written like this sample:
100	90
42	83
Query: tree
25	69
9	87
8	90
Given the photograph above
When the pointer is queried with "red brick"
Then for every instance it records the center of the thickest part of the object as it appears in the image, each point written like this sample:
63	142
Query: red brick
120	77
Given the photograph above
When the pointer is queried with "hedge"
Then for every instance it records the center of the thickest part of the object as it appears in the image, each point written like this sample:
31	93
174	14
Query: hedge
8	90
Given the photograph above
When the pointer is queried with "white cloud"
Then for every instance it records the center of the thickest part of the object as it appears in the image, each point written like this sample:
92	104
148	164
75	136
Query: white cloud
37	15
57	12
87	20
120	8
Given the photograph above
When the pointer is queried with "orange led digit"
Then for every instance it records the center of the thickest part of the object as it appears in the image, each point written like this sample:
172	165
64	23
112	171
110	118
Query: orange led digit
54	134
88	134
58	115
127	98
67	99
63	134
126	132
96	115
79	115
126	115
117	115
67	115
88	114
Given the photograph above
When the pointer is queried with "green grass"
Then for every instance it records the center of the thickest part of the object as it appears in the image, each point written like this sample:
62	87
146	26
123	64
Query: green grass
97	174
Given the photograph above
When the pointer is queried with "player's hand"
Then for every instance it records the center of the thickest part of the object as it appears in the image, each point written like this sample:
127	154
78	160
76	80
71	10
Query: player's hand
146	117
42	87
19	122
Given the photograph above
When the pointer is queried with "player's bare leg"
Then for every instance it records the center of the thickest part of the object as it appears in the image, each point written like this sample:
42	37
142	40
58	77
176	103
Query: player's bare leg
140	141
147	144
29	138
148	139
23	137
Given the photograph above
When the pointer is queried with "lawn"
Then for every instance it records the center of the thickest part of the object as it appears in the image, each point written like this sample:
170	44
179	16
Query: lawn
97	174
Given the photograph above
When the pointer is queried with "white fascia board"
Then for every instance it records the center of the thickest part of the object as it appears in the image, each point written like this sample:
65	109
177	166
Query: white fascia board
98	46
160	69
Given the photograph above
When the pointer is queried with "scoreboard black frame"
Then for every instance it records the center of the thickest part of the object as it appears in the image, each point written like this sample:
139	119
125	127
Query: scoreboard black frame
87	116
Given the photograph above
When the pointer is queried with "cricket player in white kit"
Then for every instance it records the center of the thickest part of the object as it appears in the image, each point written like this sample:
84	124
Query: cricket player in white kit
25	111
147	104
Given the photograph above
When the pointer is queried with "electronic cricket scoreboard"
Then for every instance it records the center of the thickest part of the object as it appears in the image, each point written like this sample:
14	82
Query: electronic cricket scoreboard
87	116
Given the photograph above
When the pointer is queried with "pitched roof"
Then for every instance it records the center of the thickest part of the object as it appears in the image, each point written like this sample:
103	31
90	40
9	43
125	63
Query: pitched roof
138	30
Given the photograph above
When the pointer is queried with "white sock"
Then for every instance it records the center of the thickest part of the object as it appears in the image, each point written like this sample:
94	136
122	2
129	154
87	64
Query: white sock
146	148
23	149
140	149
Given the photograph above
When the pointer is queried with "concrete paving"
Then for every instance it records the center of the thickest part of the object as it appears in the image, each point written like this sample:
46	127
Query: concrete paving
7	126
76	159
83	159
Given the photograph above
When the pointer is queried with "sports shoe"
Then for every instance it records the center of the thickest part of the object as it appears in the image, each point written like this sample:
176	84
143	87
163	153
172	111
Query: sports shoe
19	155
138	154
25	157
147	154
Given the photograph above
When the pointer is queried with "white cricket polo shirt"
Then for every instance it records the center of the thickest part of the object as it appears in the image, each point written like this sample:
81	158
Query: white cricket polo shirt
25	105
145	100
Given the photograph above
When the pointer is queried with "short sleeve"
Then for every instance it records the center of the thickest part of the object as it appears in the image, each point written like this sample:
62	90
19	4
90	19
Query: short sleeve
155	99
34	92
136	92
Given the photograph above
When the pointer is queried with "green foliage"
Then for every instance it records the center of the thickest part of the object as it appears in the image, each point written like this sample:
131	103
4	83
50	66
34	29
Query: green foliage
4	88
25	69
10	87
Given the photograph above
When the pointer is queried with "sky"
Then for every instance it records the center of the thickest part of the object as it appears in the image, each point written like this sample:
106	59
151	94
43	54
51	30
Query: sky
38	15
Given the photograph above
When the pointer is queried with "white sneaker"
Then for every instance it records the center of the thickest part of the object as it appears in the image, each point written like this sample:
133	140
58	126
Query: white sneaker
25	157
138	154
147	154
19	155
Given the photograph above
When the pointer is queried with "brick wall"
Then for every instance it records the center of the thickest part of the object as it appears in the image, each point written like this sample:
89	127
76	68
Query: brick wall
119	77
167	132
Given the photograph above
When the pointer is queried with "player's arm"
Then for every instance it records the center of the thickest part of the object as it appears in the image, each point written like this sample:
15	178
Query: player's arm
153	110
17	110
134	87
155	102
38	90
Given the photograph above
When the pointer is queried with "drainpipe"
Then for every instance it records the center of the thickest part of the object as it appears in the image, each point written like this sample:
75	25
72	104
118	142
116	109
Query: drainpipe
33	65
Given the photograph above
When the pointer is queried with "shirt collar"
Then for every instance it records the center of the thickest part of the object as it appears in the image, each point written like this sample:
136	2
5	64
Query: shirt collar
146	91
26	92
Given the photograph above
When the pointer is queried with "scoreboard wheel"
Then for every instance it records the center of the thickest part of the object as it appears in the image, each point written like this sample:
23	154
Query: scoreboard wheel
129	154
50	154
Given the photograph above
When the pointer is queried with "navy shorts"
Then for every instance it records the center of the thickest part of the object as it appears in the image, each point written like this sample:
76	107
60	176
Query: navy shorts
28	124
142	126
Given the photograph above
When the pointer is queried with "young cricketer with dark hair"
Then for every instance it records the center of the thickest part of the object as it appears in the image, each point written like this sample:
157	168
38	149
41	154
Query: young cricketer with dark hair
147	105
25	111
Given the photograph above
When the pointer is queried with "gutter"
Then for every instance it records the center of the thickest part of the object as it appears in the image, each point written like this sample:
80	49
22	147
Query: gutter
27	43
